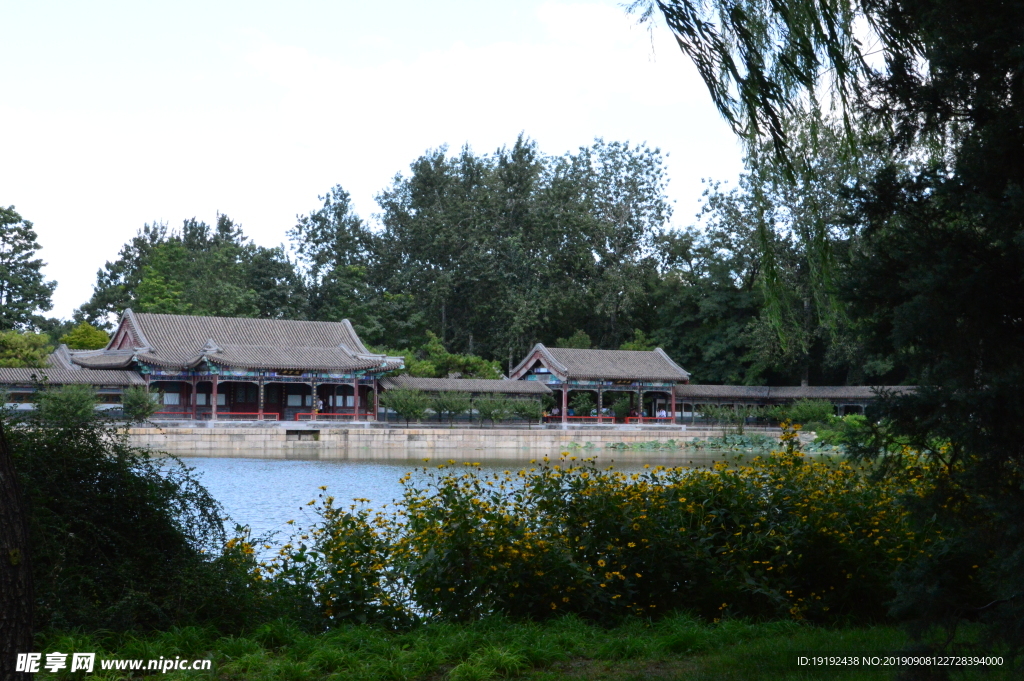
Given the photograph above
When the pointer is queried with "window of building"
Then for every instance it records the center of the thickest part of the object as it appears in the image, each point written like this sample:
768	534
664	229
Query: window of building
247	393
172	399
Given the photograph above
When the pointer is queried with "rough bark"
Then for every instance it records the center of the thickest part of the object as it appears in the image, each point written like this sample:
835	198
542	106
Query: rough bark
15	574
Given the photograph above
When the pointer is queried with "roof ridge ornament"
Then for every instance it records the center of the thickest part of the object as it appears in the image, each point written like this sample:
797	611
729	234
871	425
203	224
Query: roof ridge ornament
211	348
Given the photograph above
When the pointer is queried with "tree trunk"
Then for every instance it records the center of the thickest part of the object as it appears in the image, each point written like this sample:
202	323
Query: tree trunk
805	370
16	598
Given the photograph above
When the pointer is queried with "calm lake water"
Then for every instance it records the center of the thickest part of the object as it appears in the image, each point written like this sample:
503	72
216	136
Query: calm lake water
266	493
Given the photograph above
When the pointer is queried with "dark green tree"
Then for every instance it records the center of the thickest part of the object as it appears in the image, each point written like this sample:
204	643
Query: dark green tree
23	290
198	269
937	274
708	294
332	244
505	250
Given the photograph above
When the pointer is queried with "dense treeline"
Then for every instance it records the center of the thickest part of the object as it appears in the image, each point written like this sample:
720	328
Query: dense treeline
488	254
934	270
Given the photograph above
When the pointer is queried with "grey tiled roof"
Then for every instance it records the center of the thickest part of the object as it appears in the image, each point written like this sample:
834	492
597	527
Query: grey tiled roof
468	385
99	359
53	376
183	341
60	370
750	392
637	365
811	392
833	392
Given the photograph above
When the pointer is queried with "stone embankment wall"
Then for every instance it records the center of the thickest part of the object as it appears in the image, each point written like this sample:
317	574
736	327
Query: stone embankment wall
320	441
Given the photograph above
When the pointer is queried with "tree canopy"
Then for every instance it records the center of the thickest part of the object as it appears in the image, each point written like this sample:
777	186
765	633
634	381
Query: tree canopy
85	336
198	269
23	350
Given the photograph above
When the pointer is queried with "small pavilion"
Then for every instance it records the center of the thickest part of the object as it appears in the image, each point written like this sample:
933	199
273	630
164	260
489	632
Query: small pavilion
246	369
635	372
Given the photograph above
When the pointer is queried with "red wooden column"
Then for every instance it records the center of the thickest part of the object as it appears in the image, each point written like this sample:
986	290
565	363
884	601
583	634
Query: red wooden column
376	399
673	405
259	383
565	404
355	398
195	387
315	410
213	399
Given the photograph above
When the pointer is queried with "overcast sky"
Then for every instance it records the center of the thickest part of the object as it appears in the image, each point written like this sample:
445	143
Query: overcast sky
115	114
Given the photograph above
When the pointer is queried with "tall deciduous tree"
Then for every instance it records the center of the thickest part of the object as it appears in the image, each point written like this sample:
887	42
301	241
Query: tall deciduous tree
23	289
508	249
332	247
198	269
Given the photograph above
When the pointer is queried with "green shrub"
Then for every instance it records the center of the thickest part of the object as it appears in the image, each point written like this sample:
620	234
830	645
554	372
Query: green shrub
137	404
409	404
781	536
848	430
731	416
119	540
528	409
582	404
68	406
808	413
621	408
493	408
453	404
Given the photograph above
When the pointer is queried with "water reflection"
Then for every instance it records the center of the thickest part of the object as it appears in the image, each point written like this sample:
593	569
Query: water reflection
266	493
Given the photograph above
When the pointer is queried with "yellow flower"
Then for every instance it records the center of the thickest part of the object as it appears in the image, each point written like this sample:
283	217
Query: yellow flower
601	563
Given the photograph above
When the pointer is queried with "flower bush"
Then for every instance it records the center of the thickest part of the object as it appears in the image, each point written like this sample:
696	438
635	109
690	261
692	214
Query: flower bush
780	535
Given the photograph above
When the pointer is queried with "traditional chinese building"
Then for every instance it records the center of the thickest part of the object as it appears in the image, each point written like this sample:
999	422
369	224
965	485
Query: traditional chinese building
246	369
637	373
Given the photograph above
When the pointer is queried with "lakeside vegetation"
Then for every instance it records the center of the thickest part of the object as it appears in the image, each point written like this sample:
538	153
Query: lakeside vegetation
560	570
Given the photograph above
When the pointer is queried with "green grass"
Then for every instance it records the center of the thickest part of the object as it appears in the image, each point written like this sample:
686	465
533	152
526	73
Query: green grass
676	647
